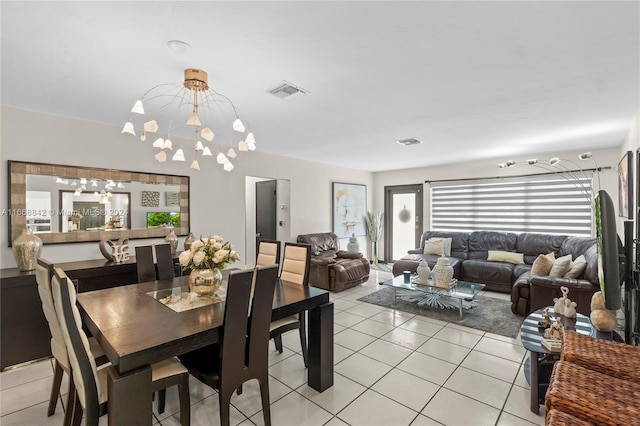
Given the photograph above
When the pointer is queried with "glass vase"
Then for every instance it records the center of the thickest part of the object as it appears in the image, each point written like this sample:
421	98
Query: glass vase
205	282
374	252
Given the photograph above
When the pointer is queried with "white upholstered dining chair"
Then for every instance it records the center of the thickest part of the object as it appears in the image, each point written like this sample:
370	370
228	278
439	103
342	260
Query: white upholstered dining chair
91	383
295	269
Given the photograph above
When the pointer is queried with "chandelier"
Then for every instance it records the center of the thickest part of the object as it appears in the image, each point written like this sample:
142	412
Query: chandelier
201	109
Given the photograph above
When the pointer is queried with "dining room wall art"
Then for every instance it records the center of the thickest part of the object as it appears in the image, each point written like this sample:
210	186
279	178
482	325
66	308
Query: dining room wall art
349	204
150	199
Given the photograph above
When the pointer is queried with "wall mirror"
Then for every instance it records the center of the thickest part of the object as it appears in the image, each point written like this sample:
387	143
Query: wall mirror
69	204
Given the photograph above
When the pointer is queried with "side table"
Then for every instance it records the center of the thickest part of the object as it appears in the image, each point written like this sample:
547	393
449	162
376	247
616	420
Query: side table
542	360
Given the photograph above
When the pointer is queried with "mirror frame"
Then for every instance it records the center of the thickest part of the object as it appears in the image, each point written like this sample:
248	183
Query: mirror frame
18	171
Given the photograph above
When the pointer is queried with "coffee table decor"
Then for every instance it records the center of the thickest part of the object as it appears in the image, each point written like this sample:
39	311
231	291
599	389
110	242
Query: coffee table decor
439	296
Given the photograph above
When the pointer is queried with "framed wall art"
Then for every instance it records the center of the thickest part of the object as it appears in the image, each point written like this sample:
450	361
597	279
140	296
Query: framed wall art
349	205
625	186
150	199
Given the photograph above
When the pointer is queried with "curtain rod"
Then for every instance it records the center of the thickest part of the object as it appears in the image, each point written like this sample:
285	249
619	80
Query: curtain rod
596	169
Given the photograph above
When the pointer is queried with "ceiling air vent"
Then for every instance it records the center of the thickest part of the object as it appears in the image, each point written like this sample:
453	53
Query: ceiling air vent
410	141
287	91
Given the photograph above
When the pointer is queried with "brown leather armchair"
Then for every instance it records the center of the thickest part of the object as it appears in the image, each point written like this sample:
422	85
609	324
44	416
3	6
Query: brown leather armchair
333	269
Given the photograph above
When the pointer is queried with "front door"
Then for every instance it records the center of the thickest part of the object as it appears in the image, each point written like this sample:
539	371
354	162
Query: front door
403	220
265	211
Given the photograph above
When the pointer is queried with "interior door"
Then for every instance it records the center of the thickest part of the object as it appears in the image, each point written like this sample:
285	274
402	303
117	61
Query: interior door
266	202
403	220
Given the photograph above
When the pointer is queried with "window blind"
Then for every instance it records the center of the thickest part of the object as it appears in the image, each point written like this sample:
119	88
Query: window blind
553	204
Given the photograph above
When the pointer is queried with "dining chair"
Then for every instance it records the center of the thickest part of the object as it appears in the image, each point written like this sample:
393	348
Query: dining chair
242	353
145	266
44	272
268	253
90	383
164	260
295	269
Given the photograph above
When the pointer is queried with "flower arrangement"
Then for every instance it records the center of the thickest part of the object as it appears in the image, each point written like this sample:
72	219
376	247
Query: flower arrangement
208	253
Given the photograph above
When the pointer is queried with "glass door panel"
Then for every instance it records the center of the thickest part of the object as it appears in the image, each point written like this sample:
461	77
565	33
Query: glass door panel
403	220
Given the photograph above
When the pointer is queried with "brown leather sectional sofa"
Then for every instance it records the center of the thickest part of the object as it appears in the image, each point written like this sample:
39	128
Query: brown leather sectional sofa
469	260
331	268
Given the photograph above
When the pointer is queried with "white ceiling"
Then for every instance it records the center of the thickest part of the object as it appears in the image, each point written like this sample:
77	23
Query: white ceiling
470	79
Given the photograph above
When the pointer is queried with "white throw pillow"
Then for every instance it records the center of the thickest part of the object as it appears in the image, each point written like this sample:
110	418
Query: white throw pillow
577	267
561	266
505	256
543	264
446	242
432	246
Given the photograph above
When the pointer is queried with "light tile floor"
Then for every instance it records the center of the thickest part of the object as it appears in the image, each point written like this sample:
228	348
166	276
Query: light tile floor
391	368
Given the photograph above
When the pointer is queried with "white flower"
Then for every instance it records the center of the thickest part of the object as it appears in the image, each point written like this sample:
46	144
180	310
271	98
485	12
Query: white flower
218	238
234	255
219	256
185	257
198	257
196	245
216	246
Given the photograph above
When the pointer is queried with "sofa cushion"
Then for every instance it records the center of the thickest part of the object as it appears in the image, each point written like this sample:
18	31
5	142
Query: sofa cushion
505	256
577	267
320	242
434	246
560	266
543	264
480	242
483	271
532	245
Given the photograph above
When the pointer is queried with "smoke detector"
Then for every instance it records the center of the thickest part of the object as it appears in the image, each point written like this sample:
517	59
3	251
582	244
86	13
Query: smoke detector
287	91
410	141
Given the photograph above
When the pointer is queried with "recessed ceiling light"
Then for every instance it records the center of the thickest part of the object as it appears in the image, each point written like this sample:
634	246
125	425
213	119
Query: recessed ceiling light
179	46
410	141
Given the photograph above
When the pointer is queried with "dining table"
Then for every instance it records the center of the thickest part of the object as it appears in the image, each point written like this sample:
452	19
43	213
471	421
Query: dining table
140	324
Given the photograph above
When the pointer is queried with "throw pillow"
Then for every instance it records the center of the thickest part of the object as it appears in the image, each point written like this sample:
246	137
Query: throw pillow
542	265
434	247
446	242
560	266
577	267
506	256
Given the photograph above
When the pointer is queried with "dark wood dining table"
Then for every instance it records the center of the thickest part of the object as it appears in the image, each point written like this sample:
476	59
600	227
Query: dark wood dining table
136	330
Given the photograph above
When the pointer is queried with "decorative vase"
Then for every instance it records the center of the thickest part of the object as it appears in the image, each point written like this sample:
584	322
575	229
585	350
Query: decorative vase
188	241
442	273
172	239
353	244
26	249
423	271
205	282
374	252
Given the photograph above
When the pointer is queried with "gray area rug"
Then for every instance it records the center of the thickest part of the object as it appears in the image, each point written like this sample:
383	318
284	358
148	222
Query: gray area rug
385	267
484	313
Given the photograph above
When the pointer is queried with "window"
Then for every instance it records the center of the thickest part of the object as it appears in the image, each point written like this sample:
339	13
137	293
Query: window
553	204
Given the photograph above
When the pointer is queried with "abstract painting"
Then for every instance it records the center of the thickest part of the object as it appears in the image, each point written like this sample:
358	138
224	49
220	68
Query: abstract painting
349	205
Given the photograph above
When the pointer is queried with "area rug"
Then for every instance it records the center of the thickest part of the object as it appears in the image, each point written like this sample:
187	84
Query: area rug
385	267
484	313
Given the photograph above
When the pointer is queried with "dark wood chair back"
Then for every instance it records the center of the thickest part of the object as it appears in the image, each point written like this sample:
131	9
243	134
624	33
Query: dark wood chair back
164	261
144	264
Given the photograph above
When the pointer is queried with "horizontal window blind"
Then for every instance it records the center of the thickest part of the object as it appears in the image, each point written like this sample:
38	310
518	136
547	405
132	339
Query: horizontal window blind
553	204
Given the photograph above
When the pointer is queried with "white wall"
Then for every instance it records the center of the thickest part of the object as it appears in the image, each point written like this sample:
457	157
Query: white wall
217	197
488	168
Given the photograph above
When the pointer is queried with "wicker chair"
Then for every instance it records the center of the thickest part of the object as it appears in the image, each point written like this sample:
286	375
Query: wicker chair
559	418
606	357
591	396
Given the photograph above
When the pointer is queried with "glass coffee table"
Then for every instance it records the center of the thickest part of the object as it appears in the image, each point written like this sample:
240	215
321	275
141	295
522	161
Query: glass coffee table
437	296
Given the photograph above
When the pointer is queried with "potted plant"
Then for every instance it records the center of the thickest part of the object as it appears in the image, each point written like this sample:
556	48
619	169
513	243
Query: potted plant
374	222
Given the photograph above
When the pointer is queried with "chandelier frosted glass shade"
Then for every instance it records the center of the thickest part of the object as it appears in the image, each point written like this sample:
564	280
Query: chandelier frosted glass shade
192	108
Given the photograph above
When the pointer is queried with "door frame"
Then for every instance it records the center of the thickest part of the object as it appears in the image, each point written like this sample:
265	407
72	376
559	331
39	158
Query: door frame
389	191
